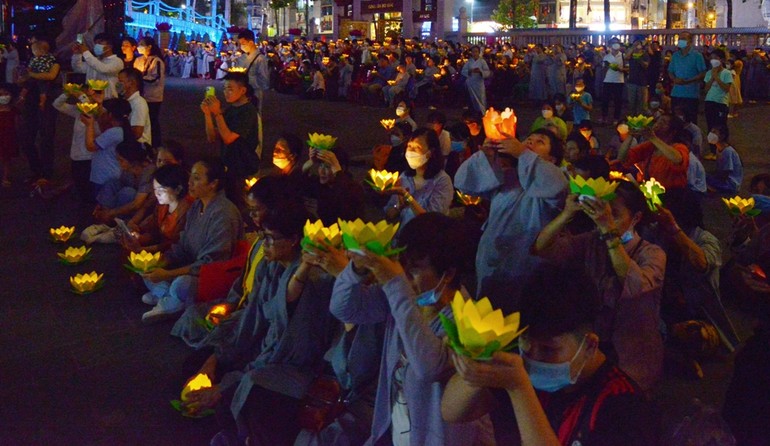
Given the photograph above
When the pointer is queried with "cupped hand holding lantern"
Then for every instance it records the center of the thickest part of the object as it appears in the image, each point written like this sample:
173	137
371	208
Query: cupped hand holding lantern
505	371
383	268
199	397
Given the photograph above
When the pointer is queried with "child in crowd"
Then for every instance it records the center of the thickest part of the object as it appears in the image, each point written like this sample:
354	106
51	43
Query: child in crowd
580	102
729	174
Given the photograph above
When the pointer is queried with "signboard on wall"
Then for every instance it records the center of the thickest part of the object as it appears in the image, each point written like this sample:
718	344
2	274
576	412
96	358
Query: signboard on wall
424	16
373	6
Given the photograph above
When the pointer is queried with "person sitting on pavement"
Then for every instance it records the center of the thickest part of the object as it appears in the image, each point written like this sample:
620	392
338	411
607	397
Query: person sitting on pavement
547	116
628	270
729	173
278	344
212	229
561	388
125	195
329	190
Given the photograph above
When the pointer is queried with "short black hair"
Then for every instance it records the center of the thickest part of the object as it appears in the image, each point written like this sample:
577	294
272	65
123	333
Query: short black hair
172	176
685	205
557	146
130	40
132	151
405	128
436	117
596	165
436	161
295	143
633	198
273	189
759	178
288	218
175	148
557	301
106	38
215	170
246	34
442	240
135	75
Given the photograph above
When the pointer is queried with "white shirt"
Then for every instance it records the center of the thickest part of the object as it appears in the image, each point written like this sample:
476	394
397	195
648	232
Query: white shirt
696	175
445	141
78	150
140	116
106	69
11	63
614	76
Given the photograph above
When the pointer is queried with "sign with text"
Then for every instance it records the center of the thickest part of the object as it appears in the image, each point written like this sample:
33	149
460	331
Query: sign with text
424	16
381	6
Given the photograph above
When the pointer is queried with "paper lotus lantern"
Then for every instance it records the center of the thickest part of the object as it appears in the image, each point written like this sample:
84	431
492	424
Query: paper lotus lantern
374	237
88	108
652	191
201	381
499	125
617	175
73	256
62	233
639	122
86	283
478	331
741	206
250	182
614	66
381	180
391	82
468	200
72	89
321	142
143	261
593	187
317	232
388	123
217	313
437	76
419	71
98	85
236	70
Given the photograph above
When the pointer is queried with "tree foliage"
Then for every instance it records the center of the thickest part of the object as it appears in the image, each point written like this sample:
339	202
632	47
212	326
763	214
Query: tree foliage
512	14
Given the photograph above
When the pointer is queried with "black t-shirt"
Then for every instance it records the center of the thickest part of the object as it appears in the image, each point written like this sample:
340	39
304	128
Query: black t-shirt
606	410
240	156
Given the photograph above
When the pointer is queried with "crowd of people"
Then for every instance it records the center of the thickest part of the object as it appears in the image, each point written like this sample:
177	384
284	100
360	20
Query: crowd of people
315	344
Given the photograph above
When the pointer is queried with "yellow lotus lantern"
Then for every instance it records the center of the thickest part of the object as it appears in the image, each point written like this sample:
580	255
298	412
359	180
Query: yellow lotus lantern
320	141
437	76
236	70
62	233
593	187
316	232
217	313
143	261
199	382
419	71
391	82
478	331
639	122
652	191
741	206
617	175
88	108
382	179
72	89
325	60
388	123
98	85
73	256
86	283
250	182
499	125
468	200
374	237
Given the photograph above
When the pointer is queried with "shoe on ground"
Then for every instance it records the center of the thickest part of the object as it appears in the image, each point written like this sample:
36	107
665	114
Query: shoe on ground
159	313
150	299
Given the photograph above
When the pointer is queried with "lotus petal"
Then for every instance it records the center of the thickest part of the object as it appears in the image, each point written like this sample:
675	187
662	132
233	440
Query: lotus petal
97	84
320	141
201	381
499	125
595	187
482	329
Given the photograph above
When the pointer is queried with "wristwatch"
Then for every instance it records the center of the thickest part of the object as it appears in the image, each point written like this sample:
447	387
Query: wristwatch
609	235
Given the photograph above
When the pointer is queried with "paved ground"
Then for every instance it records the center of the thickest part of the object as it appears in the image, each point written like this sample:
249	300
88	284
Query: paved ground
82	370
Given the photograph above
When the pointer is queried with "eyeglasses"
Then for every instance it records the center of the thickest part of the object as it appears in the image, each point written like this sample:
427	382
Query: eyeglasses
270	239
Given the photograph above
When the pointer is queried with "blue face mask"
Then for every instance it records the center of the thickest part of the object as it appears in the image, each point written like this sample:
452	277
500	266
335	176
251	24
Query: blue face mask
432	296
550	377
395	140
98	49
458	146
682	44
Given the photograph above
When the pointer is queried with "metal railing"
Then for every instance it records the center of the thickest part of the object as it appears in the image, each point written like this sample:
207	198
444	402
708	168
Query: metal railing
745	38
146	14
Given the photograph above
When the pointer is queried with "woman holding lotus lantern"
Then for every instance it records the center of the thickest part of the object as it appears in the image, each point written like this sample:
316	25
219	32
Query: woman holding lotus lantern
525	185
211	232
424	186
662	156
408	296
627	270
279	341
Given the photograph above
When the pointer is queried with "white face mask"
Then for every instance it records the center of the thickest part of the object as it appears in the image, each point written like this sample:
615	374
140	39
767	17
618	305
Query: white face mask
580	89
400	111
712	138
547	114
5	100
716	63
616	46
416	160
281	163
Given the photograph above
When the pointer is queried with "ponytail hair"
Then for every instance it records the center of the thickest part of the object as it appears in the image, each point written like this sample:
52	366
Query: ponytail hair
120	109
